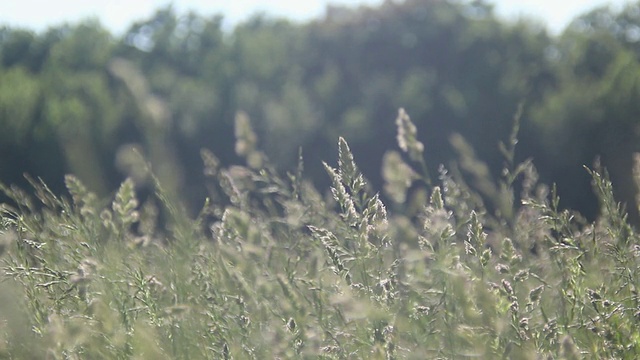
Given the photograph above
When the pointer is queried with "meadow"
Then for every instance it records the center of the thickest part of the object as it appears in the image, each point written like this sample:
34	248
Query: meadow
440	267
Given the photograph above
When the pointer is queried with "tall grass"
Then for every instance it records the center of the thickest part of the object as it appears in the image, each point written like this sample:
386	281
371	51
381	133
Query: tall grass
271	268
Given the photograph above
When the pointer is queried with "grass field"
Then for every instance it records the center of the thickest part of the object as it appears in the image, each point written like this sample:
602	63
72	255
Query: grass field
271	268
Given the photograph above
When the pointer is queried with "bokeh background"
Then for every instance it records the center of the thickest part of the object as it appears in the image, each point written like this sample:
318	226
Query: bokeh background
104	92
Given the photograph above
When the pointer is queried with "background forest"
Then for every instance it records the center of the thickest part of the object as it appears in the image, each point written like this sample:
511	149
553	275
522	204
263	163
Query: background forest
77	99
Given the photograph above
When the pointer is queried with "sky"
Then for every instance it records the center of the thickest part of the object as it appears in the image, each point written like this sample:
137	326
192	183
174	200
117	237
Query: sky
117	15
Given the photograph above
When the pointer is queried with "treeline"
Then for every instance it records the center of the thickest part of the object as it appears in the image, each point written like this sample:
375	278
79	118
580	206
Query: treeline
77	99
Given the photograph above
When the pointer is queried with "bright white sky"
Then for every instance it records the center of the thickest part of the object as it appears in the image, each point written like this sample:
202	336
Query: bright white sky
117	15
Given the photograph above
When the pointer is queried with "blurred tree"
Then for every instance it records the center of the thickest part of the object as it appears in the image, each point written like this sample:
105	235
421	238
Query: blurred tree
19	96
16	46
453	66
78	107
76	99
593	111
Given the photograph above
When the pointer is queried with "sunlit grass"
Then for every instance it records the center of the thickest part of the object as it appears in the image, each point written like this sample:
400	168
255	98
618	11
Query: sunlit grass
272	269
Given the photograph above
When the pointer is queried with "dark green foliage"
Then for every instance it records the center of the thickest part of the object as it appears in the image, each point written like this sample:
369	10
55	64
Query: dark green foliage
76	99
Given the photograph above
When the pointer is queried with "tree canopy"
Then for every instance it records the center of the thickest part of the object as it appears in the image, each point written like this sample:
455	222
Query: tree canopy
77	99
